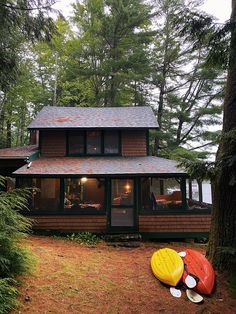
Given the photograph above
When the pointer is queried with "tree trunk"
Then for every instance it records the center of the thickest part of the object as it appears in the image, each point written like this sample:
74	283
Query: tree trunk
222	242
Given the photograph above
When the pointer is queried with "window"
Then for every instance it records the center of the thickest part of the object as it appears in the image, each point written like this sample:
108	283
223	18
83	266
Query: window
46	194
84	194
122	192
161	193
94	142
111	142
76	143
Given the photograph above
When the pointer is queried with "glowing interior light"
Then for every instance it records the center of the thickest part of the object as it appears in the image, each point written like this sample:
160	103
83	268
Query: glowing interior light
84	179
127	187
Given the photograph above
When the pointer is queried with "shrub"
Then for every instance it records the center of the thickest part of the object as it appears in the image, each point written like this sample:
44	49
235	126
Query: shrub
14	259
8	294
84	238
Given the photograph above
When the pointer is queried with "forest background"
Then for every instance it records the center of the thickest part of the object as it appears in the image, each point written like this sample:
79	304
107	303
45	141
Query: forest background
118	53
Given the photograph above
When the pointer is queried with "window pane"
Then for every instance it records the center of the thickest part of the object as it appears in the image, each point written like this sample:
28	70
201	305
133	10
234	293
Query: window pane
160	193
76	143
84	194
111	142
46	194
122	192
94	142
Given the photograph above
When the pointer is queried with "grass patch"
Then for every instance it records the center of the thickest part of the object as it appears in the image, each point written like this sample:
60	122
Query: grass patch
82	238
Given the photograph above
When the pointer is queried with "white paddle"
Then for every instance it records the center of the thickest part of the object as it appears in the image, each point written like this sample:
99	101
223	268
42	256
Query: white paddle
175	292
194	296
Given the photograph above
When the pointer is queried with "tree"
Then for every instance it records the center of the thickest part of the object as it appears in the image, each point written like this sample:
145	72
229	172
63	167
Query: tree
222	54
187	92
21	21
222	242
113	55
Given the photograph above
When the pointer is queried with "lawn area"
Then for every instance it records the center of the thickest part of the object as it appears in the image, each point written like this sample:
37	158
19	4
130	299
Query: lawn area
74	278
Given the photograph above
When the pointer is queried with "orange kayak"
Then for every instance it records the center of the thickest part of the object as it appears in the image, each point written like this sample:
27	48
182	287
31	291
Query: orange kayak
198	265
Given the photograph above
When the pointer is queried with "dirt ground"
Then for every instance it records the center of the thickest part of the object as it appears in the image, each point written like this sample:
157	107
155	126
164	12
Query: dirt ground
73	278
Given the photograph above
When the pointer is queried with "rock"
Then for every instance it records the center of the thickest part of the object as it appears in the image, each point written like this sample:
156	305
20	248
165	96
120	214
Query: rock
27	298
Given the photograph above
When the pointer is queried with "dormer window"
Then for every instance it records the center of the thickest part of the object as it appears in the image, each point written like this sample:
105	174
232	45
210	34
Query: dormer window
93	143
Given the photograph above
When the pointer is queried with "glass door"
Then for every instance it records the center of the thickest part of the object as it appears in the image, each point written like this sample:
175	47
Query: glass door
122	217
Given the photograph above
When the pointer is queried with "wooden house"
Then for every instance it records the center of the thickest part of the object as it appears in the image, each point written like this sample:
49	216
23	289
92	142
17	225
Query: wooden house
90	170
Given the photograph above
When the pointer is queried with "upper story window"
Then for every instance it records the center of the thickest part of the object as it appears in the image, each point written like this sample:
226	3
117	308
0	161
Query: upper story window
93	142
76	143
111	142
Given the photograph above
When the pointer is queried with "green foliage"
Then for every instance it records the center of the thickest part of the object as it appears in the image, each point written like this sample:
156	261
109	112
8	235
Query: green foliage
8	294
14	259
20	20
199	169
84	238
189	93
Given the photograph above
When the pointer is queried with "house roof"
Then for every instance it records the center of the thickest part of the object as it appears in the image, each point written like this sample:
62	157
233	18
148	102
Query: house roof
100	166
21	152
94	117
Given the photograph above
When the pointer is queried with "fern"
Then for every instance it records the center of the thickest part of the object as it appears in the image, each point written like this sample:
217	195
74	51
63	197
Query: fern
14	259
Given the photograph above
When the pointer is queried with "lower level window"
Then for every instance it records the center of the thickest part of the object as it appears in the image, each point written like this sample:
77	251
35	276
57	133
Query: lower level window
84	194
161	193
46	194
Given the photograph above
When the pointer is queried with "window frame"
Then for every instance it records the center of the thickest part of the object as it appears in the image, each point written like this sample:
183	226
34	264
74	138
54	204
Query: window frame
61	210
85	143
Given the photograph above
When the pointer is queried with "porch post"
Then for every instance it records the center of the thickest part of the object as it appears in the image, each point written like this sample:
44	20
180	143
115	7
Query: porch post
161	186
183	190
190	189
200	190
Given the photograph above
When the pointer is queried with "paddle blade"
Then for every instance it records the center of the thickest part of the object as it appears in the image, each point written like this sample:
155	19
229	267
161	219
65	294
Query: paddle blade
194	296
190	282
175	292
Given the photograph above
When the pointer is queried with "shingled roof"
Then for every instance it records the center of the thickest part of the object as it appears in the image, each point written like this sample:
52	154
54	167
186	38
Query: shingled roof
21	152
101	166
94	117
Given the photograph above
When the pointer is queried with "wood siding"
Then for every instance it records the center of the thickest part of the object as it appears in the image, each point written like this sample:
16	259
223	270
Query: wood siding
53	143
175	223
72	223
134	143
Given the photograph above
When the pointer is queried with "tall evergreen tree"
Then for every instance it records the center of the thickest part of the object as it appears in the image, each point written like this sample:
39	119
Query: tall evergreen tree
187	92
113	55
20	21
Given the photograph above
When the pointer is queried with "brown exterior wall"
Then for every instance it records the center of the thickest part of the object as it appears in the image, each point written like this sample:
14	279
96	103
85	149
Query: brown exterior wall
134	143
53	143
175	223
71	223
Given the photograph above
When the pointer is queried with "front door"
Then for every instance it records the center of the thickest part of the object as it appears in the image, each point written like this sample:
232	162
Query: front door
122	213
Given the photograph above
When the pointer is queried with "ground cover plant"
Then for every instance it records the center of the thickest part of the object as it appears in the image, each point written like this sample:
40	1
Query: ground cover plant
75	278
81	237
14	259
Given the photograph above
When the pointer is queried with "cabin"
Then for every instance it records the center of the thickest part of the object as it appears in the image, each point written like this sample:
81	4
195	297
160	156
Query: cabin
90	170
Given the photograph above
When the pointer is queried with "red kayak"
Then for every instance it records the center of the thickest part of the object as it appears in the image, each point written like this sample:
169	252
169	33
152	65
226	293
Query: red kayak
198	265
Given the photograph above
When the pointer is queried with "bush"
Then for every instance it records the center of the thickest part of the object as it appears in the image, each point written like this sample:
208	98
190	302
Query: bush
84	238
8	294
14	259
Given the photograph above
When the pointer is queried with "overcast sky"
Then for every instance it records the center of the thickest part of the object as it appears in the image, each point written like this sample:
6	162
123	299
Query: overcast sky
219	8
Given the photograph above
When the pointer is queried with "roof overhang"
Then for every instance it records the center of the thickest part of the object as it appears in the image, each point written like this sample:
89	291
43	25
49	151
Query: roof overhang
101	166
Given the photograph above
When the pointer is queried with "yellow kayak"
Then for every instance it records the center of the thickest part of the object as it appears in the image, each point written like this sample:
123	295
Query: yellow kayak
167	266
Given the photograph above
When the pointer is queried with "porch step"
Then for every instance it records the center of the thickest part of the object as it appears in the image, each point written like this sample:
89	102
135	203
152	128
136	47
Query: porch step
132	244
123	237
